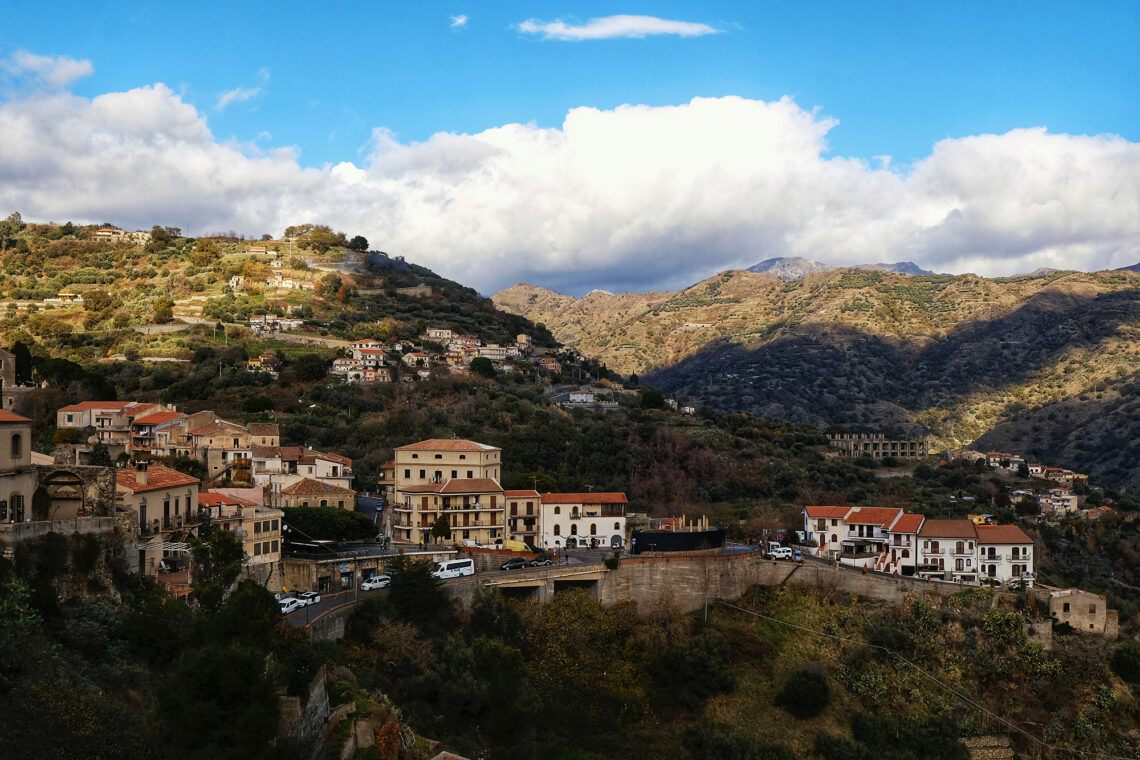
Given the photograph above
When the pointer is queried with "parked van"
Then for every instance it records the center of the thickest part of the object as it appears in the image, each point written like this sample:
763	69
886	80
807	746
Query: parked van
453	568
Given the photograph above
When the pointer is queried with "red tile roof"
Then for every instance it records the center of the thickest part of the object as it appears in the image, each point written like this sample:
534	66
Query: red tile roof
211	499
9	417
818	512
447	444
596	497
1002	534
873	516
471	485
907	523
157	418
215	427
310	487
263	428
158	478
521	494
949	529
84	406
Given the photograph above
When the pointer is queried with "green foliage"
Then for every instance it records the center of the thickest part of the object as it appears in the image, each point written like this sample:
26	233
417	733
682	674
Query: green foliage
694	670
805	694
100	456
1126	662
710	741
890	739
481	365
441	528
327	524
217	562
417	595
651	398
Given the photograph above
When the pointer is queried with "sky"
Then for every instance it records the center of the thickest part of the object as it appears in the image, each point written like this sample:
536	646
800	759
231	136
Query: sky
633	146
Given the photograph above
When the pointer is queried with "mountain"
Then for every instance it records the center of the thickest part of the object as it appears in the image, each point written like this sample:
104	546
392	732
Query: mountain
1133	268
791	268
960	356
898	267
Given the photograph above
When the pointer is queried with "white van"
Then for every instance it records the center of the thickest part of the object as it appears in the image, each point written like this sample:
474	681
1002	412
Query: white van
453	568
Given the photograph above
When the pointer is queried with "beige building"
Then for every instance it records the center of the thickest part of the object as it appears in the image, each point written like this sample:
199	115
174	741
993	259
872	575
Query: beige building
307	492
258	527
165	503
524	516
222	446
877	446
17	476
112	420
456	479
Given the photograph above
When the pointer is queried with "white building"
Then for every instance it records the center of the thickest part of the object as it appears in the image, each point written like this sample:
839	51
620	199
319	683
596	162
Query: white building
583	519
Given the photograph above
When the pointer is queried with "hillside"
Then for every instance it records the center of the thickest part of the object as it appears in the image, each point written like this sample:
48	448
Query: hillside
959	355
797	267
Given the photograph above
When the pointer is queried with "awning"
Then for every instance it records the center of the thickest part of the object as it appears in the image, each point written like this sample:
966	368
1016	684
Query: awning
156	544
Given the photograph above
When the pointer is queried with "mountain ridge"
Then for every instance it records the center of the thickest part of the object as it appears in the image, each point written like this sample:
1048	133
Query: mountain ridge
790	268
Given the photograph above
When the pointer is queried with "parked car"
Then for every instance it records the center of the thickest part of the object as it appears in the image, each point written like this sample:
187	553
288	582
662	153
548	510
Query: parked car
308	598
289	604
375	582
543	561
781	552
514	563
797	555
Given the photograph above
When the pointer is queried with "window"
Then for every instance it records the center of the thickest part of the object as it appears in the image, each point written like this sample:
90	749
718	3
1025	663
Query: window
558	510
415	456
305	503
593	528
834	538
467	534
1065	609
17	446
3	509
958	564
1092	609
462	456
275	525
423	473
959	548
439	456
573	530
324	502
236	444
470	474
906	553
71	418
340	503
617	526
407	473
455	473
558	532
274	546
257	527
257	550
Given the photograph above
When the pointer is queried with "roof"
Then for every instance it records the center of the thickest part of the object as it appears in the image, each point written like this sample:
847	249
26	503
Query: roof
211	499
949	529
9	417
585	498
447	444
471	485
216	426
311	456
521	494
873	515
84	406
817	512
310	487
157	418
907	523
1002	534
158	478
263	428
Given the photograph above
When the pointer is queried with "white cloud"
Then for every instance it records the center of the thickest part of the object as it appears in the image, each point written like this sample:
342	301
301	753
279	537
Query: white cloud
613	27
458	22
242	94
636	197
49	71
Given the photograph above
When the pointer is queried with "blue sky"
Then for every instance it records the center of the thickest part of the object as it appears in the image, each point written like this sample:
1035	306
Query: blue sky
895	77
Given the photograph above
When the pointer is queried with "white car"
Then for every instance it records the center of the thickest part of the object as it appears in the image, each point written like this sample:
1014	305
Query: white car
781	552
289	604
375	582
308	598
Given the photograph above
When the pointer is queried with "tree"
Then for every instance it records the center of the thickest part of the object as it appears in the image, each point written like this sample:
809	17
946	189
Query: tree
651	398
163	310
481	365
634	379
100	456
805	694
442	528
417	595
358	243
23	362
329	284
218	560
1022	470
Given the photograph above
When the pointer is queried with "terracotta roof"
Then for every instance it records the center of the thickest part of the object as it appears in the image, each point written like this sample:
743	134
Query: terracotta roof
216	426
84	406
157	418
447	444
310	487
949	529
423	488
379	351
584	498
265	452
388	466
521	494
310	456
471	485
817	512
873	516
210	499
158	478
1002	534
9	417
907	523
263	428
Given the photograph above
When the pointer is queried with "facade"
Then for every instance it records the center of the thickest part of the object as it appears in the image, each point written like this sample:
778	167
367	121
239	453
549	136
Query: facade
278	467
112	420
824	528
524	515
17	476
1005	554
165	504
455	479
583	520
877	446
307	492
259	527
901	555
222	446
867	539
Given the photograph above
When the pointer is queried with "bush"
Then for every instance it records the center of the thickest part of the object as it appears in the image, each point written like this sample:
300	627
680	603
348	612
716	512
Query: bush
806	694
1126	662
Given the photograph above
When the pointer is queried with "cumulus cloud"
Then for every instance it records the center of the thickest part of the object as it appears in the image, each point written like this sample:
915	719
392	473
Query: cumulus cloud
458	22
613	27
50	71
636	197
242	94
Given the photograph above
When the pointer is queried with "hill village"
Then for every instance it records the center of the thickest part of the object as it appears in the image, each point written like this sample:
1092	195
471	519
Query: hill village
438	498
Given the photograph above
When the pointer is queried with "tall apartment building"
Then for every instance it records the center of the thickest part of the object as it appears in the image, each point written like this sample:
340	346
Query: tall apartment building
454	479
877	446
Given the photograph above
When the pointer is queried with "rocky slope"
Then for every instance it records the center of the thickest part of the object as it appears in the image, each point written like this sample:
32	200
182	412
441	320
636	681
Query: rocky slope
959	355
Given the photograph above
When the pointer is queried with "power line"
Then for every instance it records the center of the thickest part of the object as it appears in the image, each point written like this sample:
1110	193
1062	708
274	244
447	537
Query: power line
916	668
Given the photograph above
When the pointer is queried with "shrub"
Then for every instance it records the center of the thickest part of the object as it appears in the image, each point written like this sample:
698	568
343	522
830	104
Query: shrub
1126	662
805	694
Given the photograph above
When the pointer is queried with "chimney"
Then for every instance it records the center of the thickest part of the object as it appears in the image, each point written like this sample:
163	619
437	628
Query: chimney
141	474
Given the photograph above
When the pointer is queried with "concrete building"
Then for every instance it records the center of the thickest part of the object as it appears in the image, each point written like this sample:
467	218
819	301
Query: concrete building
583	519
824	528
524	513
112	420
1084	611
222	446
258	527
877	446
307	492
165	505
1006	554
17	475
456	477
949	550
